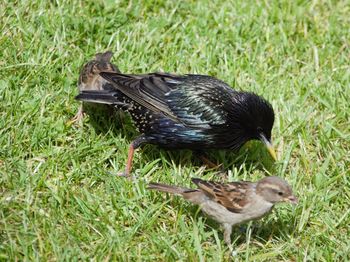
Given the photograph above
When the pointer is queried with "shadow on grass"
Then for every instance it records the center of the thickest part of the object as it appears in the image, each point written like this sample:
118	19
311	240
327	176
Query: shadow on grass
104	118
261	231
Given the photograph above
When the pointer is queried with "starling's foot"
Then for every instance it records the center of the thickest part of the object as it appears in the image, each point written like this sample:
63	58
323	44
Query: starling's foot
210	164
126	175
221	172
122	174
77	118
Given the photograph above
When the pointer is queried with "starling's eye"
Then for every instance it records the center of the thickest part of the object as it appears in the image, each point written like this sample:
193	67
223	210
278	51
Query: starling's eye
280	193
259	129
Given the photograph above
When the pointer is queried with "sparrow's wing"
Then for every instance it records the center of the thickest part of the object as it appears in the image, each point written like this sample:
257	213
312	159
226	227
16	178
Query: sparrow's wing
194	100
233	196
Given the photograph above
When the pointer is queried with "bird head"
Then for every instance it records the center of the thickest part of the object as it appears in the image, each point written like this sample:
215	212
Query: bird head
275	189
255	116
89	78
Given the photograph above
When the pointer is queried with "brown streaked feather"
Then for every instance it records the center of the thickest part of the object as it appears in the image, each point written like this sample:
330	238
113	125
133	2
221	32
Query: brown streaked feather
101	63
233	196
104	57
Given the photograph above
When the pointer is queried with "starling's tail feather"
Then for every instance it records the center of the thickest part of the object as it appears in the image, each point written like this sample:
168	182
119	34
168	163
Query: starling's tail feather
167	188
101	97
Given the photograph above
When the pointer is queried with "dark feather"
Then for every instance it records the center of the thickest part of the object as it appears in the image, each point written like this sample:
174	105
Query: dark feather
108	97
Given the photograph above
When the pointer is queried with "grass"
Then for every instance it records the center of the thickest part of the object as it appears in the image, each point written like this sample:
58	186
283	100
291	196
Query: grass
58	201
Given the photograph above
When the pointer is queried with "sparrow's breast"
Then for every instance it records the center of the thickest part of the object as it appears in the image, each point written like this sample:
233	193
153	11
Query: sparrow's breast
221	213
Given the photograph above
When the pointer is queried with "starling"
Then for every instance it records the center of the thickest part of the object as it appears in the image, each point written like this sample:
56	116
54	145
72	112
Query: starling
89	79
196	112
236	202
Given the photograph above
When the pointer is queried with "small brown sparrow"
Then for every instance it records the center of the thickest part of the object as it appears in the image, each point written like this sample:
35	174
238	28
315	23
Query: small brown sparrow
236	202
90	79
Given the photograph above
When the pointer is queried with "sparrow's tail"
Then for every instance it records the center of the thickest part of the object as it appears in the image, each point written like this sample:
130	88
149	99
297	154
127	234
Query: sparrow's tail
109	97
168	189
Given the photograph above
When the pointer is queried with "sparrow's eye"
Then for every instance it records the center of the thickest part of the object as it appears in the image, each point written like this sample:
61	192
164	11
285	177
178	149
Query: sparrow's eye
280	193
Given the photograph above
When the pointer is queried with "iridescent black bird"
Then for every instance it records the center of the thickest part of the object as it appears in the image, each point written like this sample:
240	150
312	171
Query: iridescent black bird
195	112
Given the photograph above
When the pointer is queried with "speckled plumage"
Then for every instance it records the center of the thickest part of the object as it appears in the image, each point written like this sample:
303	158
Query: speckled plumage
187	111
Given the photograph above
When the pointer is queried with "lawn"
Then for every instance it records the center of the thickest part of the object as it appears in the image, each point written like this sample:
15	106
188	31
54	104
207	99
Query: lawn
59	199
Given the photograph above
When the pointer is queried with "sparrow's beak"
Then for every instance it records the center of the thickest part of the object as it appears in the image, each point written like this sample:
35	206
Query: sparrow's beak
291	199
269	146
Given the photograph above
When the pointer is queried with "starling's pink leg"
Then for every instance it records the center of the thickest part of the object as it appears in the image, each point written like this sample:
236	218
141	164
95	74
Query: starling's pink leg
128	166
134	145
78	116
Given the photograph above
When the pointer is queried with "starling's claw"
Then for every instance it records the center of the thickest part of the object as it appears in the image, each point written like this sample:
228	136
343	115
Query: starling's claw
221	172
77	118
122	174
210	164
126	175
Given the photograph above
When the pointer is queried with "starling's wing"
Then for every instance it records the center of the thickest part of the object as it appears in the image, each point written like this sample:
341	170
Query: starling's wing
233	196
137	88
194	100
201	101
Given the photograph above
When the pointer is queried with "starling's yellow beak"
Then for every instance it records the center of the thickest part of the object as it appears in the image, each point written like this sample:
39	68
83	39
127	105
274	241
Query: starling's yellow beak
269	146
